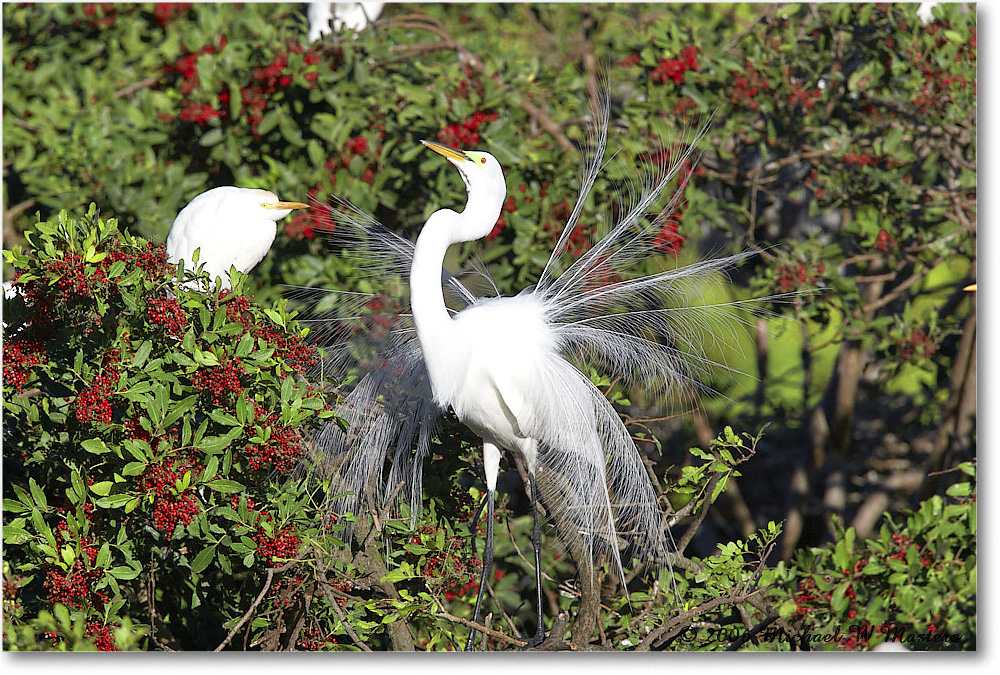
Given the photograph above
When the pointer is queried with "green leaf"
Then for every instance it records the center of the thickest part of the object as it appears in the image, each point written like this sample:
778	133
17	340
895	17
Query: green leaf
142	353
37	494
95	446
224	418
102	489
399	574
205	359
116	501
225	486
124	573
203	559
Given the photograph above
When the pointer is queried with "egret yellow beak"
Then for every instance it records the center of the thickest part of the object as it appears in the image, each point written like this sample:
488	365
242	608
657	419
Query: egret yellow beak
970	287
445	151
286	205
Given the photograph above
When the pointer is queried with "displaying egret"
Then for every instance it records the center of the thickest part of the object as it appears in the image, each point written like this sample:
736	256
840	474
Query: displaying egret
233	227
509	367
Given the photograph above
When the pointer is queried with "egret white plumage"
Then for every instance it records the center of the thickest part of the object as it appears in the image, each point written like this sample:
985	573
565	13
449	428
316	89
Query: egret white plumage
355	16
509	367
232	227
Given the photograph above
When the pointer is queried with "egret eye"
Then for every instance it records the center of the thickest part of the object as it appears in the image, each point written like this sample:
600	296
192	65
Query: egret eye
263	206
482	160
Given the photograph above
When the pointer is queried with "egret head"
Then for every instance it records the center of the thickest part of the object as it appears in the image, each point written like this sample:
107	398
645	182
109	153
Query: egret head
480	171
267	205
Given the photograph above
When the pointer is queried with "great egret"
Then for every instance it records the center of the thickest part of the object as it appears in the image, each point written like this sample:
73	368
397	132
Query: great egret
232	226
508	366
355	16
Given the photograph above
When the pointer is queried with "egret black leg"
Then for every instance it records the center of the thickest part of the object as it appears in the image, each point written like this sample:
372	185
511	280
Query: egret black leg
487	566
475	519
536	542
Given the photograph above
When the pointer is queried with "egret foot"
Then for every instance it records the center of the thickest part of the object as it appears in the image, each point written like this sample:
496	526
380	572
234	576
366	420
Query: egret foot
535	640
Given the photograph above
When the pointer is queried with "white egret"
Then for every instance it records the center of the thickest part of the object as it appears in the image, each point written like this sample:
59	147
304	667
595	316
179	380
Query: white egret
355	16
232	227
509	367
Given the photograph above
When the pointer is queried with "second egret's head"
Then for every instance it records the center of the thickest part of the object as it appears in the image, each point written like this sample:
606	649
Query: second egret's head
272	207
480	171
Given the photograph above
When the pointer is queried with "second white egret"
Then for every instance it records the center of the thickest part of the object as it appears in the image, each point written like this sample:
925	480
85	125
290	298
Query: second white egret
232	227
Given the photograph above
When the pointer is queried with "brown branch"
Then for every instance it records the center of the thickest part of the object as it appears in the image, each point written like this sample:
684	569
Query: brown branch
136	86
325	586
689	535
750	634
546	124
672	627
485	630
253	607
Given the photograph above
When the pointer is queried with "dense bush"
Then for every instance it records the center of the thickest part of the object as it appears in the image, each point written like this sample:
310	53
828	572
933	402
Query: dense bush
149	429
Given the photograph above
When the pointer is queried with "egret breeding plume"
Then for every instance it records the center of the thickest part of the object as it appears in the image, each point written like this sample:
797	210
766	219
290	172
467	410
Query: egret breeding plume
232	227
510	367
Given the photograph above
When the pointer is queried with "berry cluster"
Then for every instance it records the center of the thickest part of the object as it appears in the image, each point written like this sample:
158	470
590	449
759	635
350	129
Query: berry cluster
166	12
672	70
629	61
451	569
73	279
380	322
669	239
267	81
863	159
305	223
152	259
790	277
79	281
264	83
170	508
102	635
810	600
99	14
222	382
282	544
282	447
169	315
20	356
293	350
747	86
74	587
313	638
804	97
883	241
93	404
358	147
683	109
936	93
466	132
187	67
509	206
916	345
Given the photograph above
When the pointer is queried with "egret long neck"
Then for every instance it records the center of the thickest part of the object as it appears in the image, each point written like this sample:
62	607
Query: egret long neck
434	324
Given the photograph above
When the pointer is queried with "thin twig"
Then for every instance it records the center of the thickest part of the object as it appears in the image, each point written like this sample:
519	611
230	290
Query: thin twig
750	634
481	628
136	86
325	586
249	612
